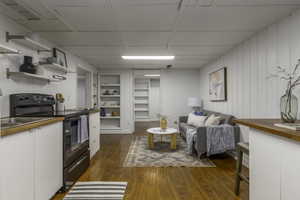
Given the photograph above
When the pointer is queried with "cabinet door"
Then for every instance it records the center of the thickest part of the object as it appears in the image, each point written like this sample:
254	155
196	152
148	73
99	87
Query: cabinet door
290	170
94	124
17	166
49	160
265	166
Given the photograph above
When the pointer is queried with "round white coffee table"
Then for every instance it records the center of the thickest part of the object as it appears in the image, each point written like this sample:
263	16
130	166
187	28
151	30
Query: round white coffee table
158	131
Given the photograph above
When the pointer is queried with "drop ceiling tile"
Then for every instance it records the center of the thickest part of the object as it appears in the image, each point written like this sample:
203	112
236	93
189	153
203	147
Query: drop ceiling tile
83	38
199	50
209	38
255	2
145	38
96	18
145	18
229	18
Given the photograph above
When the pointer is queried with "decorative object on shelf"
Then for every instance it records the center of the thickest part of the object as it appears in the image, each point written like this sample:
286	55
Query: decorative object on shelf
218	85
60	56
102	112
288	102
27	66
115	114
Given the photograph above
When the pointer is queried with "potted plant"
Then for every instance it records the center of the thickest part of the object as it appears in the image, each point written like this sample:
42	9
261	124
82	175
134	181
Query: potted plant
289	102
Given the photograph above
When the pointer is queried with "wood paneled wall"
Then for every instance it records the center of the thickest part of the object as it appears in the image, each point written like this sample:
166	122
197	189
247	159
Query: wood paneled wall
250	93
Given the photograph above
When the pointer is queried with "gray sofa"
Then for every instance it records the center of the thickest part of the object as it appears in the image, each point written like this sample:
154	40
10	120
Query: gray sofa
199	139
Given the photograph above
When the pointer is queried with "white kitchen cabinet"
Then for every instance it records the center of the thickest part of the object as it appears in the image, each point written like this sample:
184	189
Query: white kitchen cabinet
274	167
265	166
94	124
31	163
48	160
17	166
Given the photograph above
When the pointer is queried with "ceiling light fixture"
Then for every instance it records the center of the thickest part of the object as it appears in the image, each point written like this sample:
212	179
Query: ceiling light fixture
152	75
148	57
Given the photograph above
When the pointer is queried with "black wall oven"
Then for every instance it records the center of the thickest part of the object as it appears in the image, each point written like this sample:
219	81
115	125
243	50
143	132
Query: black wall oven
75	130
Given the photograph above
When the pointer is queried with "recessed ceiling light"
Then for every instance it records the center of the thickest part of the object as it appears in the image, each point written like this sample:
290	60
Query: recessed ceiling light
148	57
152	75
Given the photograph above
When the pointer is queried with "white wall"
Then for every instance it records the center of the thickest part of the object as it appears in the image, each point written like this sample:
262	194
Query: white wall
176	87
8	86
250	93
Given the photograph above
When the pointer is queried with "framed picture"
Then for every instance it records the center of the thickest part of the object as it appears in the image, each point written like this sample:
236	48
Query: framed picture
218	85
60	56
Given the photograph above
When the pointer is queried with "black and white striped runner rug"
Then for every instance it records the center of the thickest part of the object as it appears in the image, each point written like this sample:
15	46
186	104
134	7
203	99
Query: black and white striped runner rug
99	190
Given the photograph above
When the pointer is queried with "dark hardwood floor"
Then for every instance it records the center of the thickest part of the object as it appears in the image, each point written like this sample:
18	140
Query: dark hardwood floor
164	183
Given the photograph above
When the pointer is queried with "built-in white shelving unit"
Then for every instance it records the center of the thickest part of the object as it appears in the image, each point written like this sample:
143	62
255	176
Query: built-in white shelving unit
110	101
26	41
141	99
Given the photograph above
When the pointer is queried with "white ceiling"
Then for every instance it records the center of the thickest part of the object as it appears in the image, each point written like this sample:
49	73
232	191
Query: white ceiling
100	31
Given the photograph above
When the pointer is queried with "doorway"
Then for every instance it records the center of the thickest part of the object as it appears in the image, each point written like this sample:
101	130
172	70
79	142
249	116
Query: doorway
146	95
84	88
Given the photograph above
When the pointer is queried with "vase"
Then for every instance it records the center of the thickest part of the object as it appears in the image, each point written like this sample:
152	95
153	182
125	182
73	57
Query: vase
163	123
288	107
28	66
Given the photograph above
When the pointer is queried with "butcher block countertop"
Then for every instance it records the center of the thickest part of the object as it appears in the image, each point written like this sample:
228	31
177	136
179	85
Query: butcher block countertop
27	124
267	125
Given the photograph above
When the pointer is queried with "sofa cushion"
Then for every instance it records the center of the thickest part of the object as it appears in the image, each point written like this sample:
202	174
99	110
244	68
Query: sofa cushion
195	120
213	120
225	119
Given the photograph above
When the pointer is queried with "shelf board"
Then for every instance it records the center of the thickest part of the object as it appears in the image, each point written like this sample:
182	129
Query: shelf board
28	42
107	96
111	117
141	103
25	75
141	117
142	89
110	128
7	50
141	110
110	85
141	96
110	106
55	66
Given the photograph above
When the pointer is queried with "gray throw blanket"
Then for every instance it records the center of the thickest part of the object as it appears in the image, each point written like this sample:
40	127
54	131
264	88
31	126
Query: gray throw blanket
220	139
191	131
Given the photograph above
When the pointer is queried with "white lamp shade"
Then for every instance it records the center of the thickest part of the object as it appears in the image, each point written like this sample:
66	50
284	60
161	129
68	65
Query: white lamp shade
194	102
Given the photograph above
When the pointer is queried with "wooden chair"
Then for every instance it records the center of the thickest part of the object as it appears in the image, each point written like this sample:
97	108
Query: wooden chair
241	149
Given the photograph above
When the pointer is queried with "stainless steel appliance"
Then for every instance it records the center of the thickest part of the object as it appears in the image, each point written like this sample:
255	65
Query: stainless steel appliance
75	130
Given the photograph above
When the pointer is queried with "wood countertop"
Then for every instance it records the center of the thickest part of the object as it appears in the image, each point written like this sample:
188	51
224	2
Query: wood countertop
267	125
29	126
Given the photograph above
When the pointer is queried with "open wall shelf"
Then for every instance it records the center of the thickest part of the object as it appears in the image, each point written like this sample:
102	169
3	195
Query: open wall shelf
54	66
24	75
8	50
28	42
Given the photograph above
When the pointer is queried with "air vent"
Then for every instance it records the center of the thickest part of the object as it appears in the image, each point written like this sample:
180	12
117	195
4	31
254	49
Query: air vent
29	14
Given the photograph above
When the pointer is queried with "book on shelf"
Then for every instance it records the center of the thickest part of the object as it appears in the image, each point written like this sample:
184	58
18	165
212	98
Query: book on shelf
291	126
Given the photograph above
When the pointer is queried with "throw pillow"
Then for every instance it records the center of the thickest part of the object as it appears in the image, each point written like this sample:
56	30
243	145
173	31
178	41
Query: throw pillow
195	120
213	120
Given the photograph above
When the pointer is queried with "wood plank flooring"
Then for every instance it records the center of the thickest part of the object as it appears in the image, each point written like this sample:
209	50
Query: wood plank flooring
165	183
